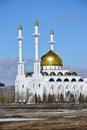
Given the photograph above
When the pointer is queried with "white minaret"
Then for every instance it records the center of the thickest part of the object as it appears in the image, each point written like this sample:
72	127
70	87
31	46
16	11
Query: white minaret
52	40
36	60
20	82
20	63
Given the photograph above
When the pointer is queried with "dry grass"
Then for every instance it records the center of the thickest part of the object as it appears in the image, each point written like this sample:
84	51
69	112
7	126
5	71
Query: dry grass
59	124
53	122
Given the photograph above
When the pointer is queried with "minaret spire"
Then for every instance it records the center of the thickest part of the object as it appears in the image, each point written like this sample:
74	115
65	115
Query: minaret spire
36	35
20	62
52	40
36	60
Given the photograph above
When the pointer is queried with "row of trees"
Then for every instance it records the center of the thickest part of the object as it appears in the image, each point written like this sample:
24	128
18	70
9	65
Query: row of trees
8	96
60	99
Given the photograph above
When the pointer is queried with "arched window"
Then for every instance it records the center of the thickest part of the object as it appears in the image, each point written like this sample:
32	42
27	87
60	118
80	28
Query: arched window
66	80
60	73
45	73
74	74
69	73
59	80
73	80
66	73
52	73
80	80
29	74
51	80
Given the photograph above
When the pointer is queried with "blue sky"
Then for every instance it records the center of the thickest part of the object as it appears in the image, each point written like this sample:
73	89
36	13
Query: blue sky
68	19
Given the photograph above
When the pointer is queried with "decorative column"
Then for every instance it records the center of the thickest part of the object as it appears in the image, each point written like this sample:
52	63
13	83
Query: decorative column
36	60
20	62
52	40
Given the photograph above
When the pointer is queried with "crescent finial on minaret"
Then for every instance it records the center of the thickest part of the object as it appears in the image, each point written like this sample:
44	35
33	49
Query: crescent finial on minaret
52	32
36	23
19	27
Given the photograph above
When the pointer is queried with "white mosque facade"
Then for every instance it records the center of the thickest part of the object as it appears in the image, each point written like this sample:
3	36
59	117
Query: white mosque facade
48	78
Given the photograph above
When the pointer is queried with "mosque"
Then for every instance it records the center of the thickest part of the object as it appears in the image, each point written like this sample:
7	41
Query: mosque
49	81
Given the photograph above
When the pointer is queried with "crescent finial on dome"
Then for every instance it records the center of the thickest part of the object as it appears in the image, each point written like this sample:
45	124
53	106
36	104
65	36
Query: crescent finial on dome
19	27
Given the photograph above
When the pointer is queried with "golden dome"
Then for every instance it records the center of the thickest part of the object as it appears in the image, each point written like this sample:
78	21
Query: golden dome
20	27
51	59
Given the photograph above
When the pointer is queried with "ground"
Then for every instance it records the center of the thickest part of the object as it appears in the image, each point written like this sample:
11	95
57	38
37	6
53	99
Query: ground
53	117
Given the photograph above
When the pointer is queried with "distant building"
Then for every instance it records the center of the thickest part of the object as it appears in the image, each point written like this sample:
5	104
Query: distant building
49	82
2	85
7	94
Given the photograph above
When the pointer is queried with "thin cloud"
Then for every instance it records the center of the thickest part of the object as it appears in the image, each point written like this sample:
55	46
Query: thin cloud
81	71
7	62
8	71
29	65
60	19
